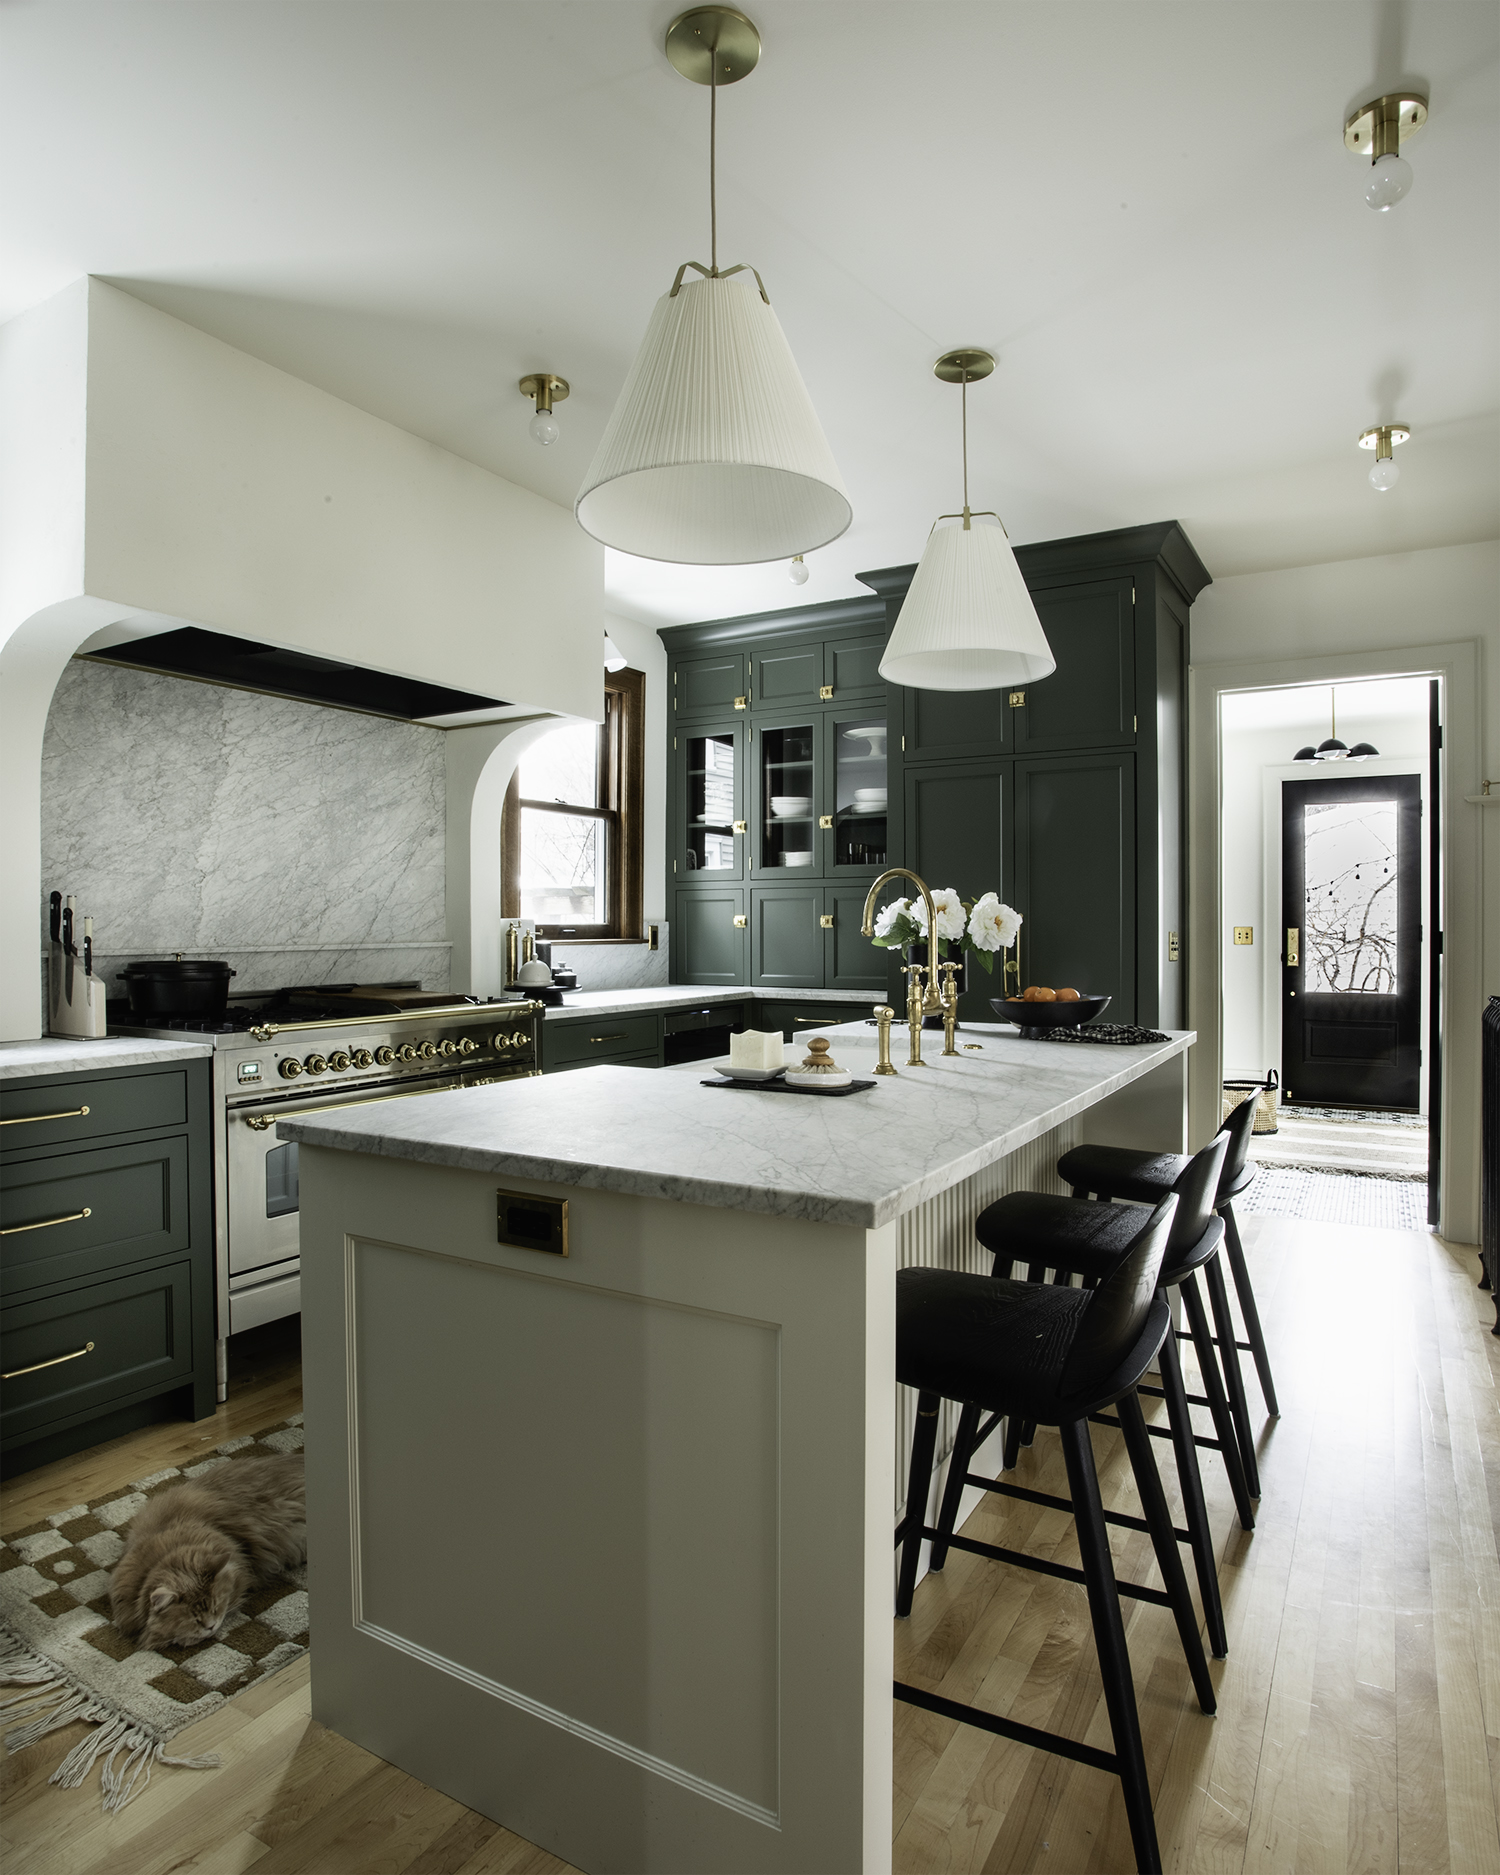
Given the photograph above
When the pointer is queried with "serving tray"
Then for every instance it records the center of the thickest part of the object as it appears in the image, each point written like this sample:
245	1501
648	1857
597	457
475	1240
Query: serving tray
782	1087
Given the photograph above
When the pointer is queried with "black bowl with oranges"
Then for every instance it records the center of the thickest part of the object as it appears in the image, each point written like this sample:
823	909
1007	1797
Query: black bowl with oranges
1035	1015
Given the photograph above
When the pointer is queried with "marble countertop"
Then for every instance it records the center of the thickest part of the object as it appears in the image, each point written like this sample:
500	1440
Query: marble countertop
861	1160
683	996
71	1054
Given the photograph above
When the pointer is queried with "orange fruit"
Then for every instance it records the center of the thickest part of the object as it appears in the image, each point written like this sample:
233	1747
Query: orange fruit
1068	996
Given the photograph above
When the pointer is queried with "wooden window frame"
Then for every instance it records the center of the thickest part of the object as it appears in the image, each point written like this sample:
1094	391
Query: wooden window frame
622	771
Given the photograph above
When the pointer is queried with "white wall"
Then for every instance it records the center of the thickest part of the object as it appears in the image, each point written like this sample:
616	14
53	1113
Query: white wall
151	470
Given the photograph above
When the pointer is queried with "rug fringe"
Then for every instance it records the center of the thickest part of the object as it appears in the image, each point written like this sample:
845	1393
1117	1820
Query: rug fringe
51	1700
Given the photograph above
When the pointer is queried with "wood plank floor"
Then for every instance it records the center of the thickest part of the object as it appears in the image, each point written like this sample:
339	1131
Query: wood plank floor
1358	1730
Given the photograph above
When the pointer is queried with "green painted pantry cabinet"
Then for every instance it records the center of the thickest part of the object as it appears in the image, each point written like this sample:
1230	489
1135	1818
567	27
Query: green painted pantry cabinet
796	775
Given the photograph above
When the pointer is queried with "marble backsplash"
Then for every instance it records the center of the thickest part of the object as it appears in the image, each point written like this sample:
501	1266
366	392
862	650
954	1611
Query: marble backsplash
616	966
299	844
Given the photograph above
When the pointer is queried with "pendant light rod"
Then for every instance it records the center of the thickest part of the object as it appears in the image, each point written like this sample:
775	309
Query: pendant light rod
713	164
963	368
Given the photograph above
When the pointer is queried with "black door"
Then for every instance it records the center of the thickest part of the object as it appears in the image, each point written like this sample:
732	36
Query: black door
1351	880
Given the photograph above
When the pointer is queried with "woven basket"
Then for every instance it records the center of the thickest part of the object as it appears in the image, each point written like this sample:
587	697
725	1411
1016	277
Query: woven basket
1266	1095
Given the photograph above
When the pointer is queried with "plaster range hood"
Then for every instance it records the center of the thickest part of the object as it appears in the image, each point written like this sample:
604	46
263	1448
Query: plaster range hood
244	664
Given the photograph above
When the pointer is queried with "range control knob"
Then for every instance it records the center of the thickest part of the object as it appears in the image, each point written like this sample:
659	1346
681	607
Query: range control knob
339	1061
315	1064
406	1052
291	1067
385	1054
426	1050
362	1058
502	1038
447	1046
468	1046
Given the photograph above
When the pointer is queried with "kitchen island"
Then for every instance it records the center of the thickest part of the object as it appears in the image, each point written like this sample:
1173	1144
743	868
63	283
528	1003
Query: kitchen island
601	1503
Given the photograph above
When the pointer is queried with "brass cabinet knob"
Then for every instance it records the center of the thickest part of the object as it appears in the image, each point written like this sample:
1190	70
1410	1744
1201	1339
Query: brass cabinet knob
742	703
825	921
385	1055
468	1046
825	691
315	1064
339	1061
740	922
290	1068
362	1058
825	820
447	1046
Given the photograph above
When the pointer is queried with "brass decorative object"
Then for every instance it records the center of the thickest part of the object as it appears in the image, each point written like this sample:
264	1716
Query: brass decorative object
1377	127
949	996
544	388
932	1006
713	45
884	1016
915	1008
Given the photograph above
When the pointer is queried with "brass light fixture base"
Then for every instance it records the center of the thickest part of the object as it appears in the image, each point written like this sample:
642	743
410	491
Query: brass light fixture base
970	363
706	37
1377	128
545	388
1382	438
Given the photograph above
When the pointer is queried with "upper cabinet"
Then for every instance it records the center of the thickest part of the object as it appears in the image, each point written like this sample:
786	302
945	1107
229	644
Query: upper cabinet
709	830
708	686
1089	700
783	676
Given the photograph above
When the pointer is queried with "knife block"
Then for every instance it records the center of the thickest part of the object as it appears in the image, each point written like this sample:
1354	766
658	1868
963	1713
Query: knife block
84	1015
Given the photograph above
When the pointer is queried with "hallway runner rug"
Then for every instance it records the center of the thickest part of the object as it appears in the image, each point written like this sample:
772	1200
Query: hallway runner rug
1335	1198
1331	1139
68	1661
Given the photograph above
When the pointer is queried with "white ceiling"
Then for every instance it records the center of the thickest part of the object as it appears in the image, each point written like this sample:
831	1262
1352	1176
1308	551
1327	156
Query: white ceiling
1388	711
1146	210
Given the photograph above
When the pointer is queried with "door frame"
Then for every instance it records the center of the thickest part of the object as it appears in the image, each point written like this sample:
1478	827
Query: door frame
1456	664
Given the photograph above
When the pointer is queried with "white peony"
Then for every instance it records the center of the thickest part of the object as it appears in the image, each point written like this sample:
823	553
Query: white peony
888	915
950	912
993	926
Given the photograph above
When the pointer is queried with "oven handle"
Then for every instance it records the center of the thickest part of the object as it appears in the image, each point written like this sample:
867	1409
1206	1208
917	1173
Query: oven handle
262	1122
481	1012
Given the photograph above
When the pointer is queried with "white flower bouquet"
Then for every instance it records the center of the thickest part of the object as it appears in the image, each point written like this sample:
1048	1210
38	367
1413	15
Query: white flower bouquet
981	926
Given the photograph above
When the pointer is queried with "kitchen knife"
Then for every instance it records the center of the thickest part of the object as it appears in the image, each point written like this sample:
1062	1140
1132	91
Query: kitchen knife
88	948
68	951
54	915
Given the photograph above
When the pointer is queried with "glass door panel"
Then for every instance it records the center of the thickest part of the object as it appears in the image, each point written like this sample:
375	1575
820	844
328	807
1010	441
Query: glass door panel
787	798
860	802
710	797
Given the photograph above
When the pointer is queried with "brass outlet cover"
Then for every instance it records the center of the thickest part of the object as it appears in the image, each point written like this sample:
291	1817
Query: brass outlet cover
1408	107
1244	934
967	362
700	36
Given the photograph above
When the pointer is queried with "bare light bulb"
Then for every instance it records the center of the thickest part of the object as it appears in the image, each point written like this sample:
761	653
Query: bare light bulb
1384	475
1390	179
544	428
797	571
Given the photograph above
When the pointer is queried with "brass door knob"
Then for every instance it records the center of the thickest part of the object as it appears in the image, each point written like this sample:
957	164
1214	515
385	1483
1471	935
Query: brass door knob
339	1061
362	1058
385	1055
290	1068
315	1064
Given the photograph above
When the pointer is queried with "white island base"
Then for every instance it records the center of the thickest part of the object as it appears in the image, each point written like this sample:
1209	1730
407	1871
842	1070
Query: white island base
601	1545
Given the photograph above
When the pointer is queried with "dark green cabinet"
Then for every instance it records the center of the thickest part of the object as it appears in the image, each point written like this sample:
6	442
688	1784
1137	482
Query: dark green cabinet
709	926
709	836
710	685
1089	700
73	1214
786	937
955	725
786	675
851	669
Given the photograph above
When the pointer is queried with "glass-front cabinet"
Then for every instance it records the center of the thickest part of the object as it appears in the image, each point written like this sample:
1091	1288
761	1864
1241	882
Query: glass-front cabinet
710	792
820	794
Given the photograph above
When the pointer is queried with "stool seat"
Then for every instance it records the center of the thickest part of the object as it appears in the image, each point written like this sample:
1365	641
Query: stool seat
1146	1177
1009	1346
1038	1227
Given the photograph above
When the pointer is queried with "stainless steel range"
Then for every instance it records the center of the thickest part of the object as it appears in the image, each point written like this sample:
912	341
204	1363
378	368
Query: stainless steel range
300	1050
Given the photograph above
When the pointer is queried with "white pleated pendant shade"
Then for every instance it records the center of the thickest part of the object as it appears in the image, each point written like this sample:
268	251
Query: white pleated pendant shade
967	622
714	455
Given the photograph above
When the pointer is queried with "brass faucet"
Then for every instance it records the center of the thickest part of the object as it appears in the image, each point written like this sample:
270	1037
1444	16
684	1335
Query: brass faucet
883	1017
933	1003
914	1007
949	995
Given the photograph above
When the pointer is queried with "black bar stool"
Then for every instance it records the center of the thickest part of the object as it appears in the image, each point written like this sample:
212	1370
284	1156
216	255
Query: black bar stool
1070	1236
1118	1172
1055	1356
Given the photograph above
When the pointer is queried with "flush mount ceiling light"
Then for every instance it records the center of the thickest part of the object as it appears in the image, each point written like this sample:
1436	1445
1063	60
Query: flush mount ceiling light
967	622
1376	130
797	571
545	390
1383	439
614	658
1331	749
714	455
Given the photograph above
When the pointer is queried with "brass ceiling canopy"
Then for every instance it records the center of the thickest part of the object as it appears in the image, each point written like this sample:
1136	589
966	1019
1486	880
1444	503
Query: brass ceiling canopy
1383	436
713	45
546	388
969	364
1378	127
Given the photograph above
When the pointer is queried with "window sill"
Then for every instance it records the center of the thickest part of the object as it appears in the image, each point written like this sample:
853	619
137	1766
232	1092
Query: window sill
641	942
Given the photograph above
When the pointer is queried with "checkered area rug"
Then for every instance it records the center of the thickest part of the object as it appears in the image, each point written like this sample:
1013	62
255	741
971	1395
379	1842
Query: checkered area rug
68	1661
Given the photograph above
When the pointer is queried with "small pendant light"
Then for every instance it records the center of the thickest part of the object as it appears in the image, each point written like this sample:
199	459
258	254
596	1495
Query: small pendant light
714	455
1331	749
967	622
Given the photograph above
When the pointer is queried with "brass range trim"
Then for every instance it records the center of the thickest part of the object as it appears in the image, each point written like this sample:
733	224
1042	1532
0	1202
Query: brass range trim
480	1012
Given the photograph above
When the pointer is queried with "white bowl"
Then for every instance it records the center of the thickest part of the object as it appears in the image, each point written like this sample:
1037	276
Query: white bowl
816	1083
871	794
796	859
747	1074
788	806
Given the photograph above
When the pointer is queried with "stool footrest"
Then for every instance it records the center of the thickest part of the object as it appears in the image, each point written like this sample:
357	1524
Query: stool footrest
1158	1432
1193	1399
1043	1566
1007	1728
1028	1496
1183	1334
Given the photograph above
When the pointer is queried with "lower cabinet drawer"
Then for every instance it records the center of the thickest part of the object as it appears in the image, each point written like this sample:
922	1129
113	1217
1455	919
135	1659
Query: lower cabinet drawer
610	1061
90	1105
93	1346
599	1038
807	1018
79	1214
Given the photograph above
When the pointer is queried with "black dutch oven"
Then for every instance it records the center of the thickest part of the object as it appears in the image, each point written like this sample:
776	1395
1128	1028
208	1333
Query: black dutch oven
196	986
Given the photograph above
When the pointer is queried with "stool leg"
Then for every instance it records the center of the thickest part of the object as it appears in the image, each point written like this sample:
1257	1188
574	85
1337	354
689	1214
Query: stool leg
1246	1293
1218	1405
918	1482
1010	1449
1194	1510
953	1490
1234	1379
1164	1542
1109	1639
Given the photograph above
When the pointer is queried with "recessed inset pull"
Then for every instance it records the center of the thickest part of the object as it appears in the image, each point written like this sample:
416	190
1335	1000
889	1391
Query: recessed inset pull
532	1223
46	1223
56	1361
31	1119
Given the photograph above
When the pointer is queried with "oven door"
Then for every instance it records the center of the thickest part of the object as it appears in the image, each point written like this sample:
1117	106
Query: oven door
262	1170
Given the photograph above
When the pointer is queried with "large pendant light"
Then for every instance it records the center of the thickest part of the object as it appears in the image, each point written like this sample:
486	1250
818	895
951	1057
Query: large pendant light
967	622
714	455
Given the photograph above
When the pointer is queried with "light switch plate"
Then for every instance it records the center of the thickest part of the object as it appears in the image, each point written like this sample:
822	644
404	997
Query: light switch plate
1244	934
1174	951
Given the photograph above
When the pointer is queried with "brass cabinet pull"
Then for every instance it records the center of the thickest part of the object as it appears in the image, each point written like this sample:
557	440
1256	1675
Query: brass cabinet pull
606	1038
742	826
1017	702
741	703
740	922
825	921
825	691
46	1223
30	1119
1293	941
814	1020
56	1361
825	820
